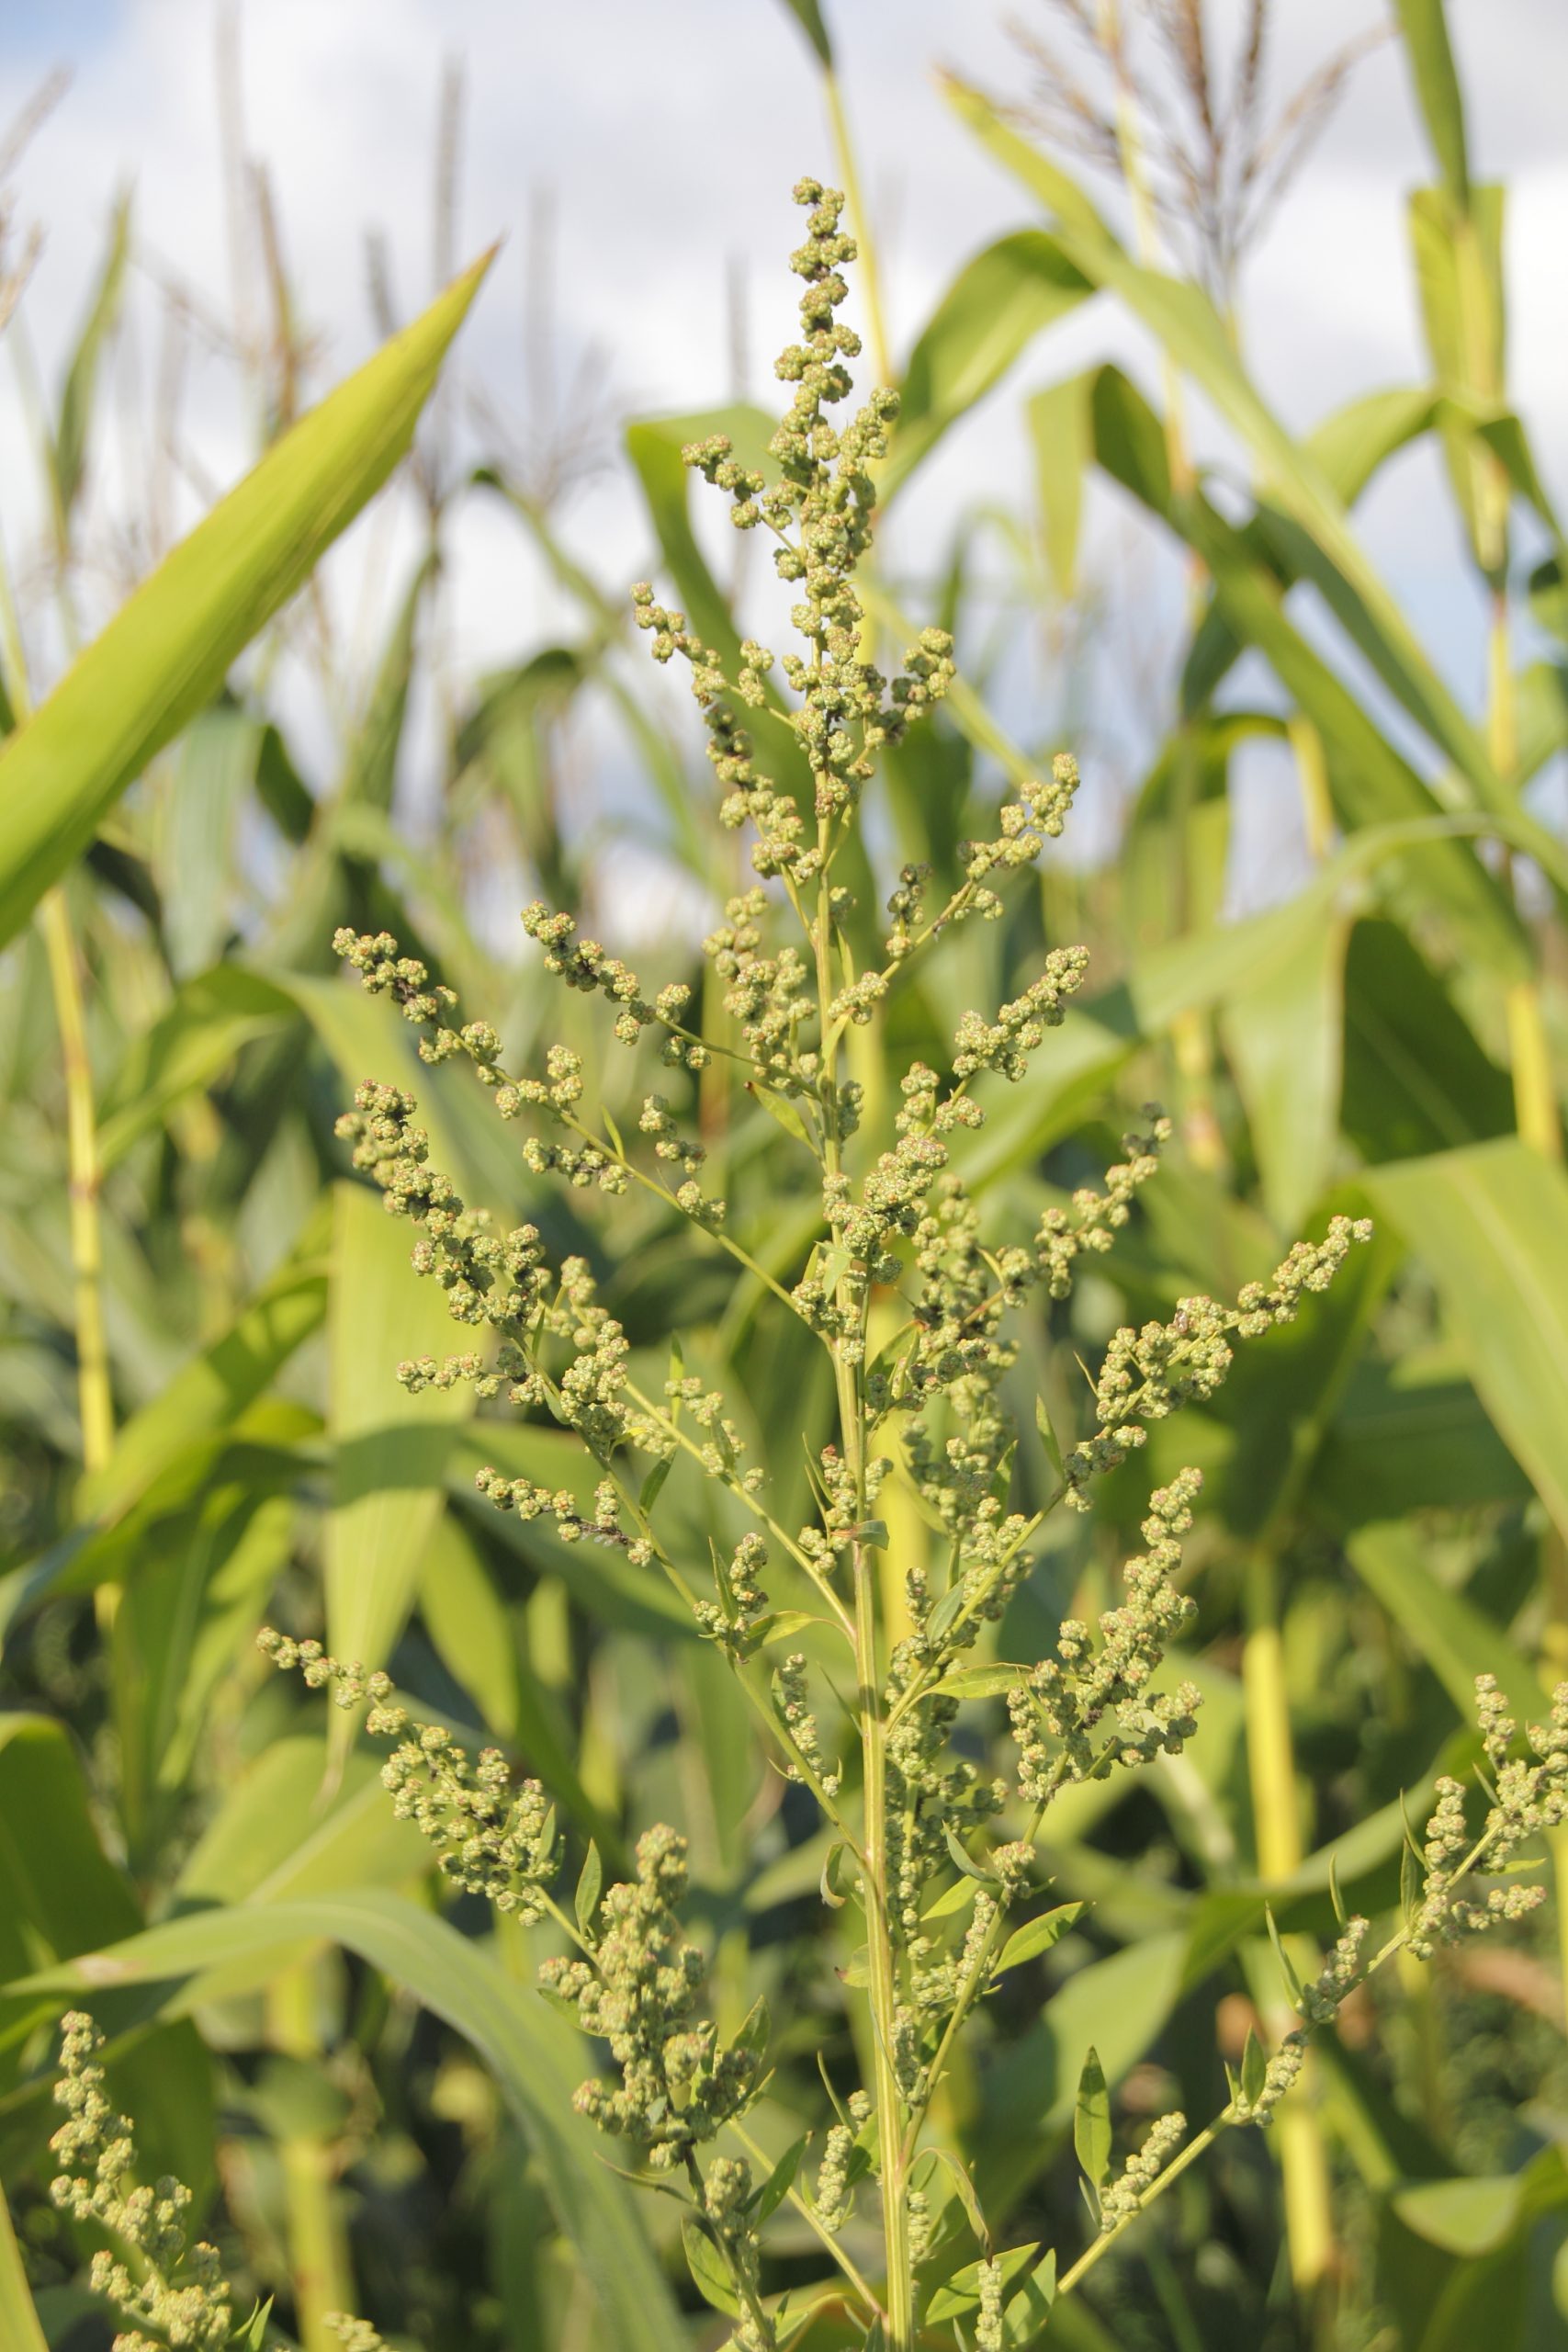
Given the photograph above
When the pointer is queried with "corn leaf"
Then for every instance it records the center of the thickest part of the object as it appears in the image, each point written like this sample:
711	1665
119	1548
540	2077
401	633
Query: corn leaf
535	2061
1425	29
19	2327
996	306
166	653
1185	321
1490	1225
82	377
389	1462
1457	1639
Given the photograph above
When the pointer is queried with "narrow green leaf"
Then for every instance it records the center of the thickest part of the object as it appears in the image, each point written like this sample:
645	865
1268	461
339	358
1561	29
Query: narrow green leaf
1062	440
1284	1031
1037	1936
275	1838
780	1109
653	1485
391	1452
1425	34
1027	2312
1049	1440
755	2029
1254	2069
1091	2123
1351	447
78	397
654	446
1372	782
194	858
978	1681
210	1393
944	1614
780	2181
1409	1882
19	2327
963	1861
193	1039
961	2293
956	1897
59	1891
807	15
253	2331
710	2272
590	1886
995	307
1456	1639
166	653
469	1624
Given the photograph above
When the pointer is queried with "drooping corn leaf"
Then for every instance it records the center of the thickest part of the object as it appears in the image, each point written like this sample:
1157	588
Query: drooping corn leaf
166	653
996	306
535	2060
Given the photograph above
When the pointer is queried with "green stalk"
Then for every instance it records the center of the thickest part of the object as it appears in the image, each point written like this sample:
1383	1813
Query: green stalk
316	2237
93	1386
1304	2162
900	2290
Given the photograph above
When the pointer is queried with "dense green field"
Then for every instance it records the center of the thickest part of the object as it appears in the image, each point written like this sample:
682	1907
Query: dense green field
905	1516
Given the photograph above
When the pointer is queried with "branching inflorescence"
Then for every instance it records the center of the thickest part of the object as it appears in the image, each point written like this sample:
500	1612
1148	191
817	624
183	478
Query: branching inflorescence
935	1853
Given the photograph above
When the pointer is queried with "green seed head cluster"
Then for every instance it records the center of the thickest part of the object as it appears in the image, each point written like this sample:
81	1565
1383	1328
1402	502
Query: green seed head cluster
1151	1373
172	2292
1121	2200
1529	1795
1058	1712
738	1621
1018	1030
355	2335
820	510
637	1991
489	1835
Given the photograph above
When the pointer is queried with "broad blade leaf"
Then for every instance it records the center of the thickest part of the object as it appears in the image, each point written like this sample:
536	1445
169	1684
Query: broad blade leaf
166	653
1490	1223
391	1464
510	2029
996	306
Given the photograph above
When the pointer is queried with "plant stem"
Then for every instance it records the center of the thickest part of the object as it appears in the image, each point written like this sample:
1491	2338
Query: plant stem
93	1384
318	2242
1303	2161
94	1389
872	1730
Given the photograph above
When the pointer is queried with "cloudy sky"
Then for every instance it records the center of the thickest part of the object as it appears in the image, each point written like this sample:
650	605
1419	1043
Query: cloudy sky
664	138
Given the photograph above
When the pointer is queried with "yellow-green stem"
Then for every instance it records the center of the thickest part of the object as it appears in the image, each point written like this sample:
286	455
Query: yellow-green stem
318	2240
883	1986
1303	2161
93	1384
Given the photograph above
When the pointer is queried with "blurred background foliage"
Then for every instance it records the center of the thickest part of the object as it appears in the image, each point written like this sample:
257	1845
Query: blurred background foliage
199	1422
